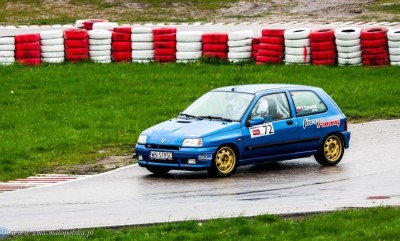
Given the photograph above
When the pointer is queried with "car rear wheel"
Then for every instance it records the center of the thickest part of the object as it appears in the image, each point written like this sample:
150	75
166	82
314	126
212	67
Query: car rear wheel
224	163
331	151
158	170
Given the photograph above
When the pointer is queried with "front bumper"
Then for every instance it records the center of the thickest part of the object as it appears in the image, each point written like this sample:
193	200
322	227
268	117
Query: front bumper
183	159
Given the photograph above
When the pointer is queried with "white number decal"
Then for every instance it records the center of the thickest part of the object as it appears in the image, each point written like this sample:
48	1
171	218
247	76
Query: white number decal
261	130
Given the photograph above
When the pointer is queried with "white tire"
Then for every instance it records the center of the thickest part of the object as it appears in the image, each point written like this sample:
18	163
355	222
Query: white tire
99	34
350	55
391	63
394	58
53	60
7	47
347	43
351	49
100	47
297	43
240	49
394	44
100	41
353	61
297	51
394	51
98	53
189	36
141	30
6	60
188	55
104	26
240	35
142	37
188	47
79	23
141	61
51	34
51	42
53	55
241	55
54	48
100	58
348	33
299	33
394	34
142	45
143	54
4	54
290	58
7	40
240	43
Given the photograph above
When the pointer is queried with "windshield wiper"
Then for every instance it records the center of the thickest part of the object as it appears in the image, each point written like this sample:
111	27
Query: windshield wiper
217	118
190	116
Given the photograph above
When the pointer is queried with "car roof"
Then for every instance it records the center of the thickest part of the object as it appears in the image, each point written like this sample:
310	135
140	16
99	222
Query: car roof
255	88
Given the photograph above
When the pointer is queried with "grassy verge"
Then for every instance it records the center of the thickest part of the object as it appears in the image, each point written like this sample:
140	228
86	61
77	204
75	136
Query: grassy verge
367	224
62	115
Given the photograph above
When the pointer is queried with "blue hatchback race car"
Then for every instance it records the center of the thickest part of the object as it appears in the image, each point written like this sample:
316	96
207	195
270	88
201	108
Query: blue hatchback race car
247	124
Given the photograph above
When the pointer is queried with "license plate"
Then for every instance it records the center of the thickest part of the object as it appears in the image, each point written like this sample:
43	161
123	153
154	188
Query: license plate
161	155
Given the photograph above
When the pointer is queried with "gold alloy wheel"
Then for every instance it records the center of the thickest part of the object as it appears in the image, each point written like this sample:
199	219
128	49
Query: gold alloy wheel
333	148
225	160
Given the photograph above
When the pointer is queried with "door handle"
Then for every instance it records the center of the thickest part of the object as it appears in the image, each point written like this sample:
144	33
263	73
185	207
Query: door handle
289	122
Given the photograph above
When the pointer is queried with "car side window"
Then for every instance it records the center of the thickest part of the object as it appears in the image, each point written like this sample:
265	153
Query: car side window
271	107
307	103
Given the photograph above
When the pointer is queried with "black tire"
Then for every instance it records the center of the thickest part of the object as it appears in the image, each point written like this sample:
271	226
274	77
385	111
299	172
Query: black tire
331	150
224	162
159	171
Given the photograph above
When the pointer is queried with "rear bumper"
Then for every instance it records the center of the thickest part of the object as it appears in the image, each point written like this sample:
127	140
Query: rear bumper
346	138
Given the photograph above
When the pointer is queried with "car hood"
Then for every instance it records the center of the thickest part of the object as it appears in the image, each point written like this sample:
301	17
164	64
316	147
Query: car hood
172	132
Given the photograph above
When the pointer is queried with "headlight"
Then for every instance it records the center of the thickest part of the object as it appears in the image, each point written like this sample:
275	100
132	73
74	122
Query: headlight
192	142
142	139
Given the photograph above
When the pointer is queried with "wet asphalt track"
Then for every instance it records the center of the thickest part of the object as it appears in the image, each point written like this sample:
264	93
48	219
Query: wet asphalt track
369	175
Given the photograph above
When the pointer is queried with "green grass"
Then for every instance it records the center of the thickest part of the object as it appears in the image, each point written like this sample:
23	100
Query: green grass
365	224
386	6
62	115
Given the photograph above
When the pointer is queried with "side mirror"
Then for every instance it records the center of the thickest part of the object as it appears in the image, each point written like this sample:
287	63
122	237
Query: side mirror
256	121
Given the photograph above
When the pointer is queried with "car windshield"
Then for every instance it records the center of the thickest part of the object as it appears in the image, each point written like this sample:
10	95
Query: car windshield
220	105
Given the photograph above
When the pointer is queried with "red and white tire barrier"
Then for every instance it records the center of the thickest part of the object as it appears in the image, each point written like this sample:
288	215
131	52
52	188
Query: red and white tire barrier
121	47
348	44
7	50
100	45
394	46
164	41
272	46
240	45
52	46
215	45
143	45
255	45
88	23
104	26
188	46
76	44
374	45
323	47
27	49
297	46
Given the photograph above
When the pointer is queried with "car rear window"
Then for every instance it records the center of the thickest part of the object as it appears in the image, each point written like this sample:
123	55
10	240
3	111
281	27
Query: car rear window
307	103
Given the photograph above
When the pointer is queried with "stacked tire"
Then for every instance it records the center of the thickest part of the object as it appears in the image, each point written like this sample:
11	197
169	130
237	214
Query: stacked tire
323	47
255	47
142	45
52	46
348	44
188	46
104	26
297	46
100	46
88	24
7	50
374	45
215	45
240	45
394	46
164	44
27	49
272	46
76	45
121	47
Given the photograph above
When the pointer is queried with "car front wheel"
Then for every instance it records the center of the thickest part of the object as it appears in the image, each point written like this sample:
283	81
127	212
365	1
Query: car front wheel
331	151
224	163
158	170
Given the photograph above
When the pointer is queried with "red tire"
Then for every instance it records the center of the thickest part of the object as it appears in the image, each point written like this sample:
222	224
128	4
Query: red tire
76	34
74	58
272	32
27	54
378	43
29	61
77	51
159	52
215	47
221	55
164	37
84	43
267	59
269	53
28	47
324	62
123	29
322	35
374	33
215	38
273	40
27	38
121	56
254	55
323	55
369	51
163	45
121	46
164	58
256	40
323	46
272	47
375	56
162	31
88	25
256	47
375	62
121	37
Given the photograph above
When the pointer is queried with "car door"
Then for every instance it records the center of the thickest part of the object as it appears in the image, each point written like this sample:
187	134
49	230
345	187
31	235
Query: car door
270	129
